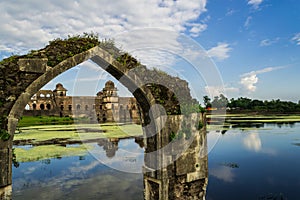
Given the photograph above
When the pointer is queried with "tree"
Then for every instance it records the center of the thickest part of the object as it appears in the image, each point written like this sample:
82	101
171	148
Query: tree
206	101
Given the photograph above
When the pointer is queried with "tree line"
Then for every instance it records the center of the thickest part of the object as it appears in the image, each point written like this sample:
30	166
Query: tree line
247	104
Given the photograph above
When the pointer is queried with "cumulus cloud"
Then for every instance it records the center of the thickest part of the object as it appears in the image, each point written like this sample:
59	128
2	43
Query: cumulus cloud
296	38
28	25
255	3
248	80
220	52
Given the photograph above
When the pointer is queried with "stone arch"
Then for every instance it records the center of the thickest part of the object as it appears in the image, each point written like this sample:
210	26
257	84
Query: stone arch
122	71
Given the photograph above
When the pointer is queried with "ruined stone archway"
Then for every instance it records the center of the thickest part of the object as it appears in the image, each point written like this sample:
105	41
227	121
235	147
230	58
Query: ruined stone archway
35	70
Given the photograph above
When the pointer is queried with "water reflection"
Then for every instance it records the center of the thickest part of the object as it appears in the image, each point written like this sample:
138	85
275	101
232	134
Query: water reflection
250	164
84	177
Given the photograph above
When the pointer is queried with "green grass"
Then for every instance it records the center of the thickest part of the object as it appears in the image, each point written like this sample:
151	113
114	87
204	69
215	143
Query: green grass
43	120
49	151
78	132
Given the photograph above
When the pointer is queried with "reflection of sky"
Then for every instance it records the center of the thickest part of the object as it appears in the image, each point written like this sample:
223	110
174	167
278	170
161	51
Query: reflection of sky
223	173
267	159
74	178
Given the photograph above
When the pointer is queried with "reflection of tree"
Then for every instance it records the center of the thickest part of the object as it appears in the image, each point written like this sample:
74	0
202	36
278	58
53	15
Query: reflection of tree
110	146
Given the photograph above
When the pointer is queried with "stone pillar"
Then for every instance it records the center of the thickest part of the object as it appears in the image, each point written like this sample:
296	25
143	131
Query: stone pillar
5	169
6	193
6	161
180	170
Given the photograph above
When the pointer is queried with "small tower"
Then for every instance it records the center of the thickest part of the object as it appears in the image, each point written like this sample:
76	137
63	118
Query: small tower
60	91
110	102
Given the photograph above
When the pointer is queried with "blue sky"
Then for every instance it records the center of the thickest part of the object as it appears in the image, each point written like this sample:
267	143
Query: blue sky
253	44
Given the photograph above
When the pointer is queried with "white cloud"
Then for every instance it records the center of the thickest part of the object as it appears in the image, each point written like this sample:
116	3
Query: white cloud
268	42
255	3
296	38
247	22
220	52
248	80
28	25
216	90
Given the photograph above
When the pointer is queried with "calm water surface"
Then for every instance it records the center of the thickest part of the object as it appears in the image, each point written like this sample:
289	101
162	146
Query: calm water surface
244	164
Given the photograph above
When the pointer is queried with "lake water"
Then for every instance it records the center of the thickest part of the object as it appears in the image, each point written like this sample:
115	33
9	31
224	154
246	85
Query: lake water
261	163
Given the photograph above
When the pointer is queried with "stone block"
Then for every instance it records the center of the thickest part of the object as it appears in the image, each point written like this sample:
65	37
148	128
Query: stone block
33	65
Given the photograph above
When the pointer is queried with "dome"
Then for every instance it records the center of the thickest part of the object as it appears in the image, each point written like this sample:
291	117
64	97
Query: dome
60	87
109	84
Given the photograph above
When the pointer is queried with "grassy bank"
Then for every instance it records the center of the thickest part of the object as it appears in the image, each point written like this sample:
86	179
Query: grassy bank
235	118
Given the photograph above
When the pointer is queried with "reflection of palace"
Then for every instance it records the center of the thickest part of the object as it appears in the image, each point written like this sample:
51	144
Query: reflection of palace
105	106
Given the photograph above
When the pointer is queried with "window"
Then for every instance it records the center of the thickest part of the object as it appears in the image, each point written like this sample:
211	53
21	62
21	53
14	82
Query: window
34	106
48	106
100	107
61	94
61	107
78	107
86	107
42	107
70	107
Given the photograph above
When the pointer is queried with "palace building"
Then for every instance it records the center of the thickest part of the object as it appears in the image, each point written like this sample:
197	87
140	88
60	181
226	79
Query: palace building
106	106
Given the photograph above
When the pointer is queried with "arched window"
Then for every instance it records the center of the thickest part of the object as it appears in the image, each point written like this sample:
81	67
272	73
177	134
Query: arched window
48	95
61	107
61	94
70	107
78	107
86	107
42	106
42	95
34	106
48	106
100	107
